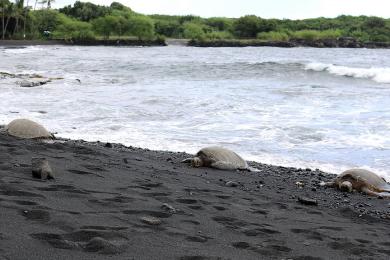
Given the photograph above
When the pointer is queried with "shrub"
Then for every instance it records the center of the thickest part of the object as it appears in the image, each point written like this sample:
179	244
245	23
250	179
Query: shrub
168	28
193	31
105	25
360	35
246	26
141	26
70	29
311	35
218	35
273	36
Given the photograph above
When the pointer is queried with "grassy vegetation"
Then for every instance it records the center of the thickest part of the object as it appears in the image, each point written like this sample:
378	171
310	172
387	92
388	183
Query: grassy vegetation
86	21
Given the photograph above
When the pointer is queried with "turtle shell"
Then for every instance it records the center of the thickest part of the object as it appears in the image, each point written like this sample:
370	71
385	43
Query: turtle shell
27	129
220	154
365	178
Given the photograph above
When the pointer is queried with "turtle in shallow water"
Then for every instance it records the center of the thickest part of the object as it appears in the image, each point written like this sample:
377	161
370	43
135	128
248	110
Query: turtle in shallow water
219	158
361	180
27	129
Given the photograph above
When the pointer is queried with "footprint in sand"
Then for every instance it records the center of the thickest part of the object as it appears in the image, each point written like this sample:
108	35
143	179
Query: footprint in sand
241	245
100	241
37	215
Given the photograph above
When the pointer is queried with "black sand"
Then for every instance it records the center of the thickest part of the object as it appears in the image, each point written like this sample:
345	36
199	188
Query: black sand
94	209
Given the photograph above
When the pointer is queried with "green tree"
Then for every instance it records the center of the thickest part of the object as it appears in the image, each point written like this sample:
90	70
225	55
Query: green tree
374	22
44	20
220	24
193	31
141	26
168	28
247	26
8	10
4	8
119	6
70	29
85	11
105	25
18	13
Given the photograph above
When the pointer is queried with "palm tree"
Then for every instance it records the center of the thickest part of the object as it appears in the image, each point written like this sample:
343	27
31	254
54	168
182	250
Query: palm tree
7	9
18	13
26	9
48	2
4	8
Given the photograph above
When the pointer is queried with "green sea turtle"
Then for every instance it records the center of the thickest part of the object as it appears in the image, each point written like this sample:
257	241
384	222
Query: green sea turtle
219	158
27	129
363	181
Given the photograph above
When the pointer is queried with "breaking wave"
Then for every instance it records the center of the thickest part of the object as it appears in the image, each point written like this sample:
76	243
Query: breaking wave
380	75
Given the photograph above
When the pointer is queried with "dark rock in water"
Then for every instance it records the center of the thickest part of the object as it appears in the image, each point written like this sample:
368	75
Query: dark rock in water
31	84
108	145
151	221
307	201
41	169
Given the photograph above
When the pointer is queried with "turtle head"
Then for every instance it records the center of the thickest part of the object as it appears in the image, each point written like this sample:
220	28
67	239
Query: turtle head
197	162
346	186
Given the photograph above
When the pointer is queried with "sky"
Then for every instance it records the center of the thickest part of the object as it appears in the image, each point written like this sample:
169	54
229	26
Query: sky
291	9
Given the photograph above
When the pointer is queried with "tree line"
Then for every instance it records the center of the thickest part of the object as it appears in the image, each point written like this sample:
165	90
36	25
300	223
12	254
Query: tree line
35	19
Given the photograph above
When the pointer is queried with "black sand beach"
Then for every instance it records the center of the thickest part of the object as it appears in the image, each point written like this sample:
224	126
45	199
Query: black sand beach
102	196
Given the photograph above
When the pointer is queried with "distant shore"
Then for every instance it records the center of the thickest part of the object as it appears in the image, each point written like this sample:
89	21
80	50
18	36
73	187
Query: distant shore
343	43
340	43
111	42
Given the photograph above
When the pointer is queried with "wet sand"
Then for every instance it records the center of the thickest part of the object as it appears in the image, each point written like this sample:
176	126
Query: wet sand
109	201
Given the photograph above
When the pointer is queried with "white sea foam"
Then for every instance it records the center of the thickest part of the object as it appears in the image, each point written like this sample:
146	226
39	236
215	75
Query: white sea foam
380	75
29	49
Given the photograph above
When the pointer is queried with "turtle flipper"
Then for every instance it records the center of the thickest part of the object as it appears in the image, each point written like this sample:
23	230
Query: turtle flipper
223	165
331	184
188	160
252	169
386	189
385	195
367	191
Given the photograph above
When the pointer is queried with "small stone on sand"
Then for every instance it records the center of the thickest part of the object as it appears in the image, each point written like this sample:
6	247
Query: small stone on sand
231	184
41	169
307	201
151	221
168	208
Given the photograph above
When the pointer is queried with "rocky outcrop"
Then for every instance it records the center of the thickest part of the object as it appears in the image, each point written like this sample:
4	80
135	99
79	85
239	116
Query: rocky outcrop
342	42
128	42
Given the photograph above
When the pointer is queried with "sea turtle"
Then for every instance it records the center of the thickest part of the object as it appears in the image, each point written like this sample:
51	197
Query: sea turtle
363	181
27	129
219	158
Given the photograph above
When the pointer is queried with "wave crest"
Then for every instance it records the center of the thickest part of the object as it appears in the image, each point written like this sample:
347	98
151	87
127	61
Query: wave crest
380	75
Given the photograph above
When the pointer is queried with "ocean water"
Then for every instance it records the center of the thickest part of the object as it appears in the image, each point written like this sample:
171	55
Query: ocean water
302	107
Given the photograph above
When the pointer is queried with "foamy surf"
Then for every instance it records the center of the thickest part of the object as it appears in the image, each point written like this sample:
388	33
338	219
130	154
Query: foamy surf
380	75
29	49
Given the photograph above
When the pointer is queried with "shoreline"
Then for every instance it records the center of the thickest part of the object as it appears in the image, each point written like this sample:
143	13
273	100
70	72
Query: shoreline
340	43
97	204
346	43
133	42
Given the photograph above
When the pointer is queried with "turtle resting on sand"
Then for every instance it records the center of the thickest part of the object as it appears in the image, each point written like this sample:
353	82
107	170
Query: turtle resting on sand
363	181
27	129
219	158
